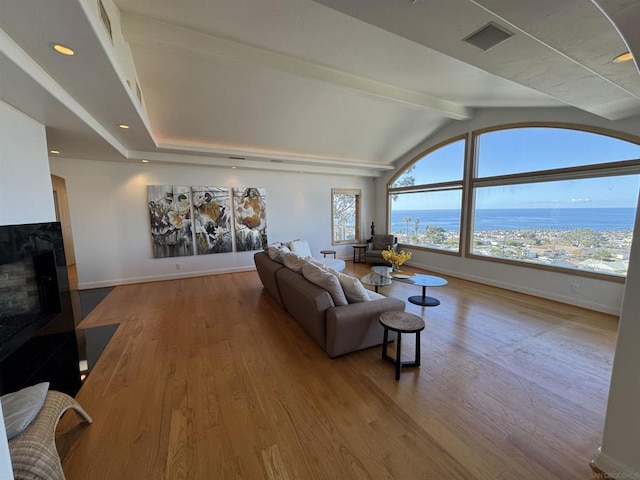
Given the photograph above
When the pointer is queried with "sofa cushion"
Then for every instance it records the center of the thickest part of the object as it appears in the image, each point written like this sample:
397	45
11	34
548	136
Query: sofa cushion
276	251
374	295
293	262
325	280
352	287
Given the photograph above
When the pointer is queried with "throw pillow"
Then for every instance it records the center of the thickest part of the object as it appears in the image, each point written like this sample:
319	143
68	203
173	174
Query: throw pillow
301	247
276	252
293	262
352	287
326	280
21	408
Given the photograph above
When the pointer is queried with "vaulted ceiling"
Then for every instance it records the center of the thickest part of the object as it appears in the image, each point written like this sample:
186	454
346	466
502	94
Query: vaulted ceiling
340	86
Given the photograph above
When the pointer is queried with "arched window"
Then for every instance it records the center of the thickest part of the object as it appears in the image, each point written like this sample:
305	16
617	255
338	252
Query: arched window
425	199
557	197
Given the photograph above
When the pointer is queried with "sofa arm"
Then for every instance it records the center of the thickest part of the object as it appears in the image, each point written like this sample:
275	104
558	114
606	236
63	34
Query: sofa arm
356	326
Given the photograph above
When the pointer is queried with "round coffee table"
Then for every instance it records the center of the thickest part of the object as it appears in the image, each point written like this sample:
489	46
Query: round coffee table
401	322
376	280
423	281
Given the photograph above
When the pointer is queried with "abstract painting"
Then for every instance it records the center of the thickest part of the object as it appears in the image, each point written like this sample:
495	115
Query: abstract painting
170	213
250	213
212	219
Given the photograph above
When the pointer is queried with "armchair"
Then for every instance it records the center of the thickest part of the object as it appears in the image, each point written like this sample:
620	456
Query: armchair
377	244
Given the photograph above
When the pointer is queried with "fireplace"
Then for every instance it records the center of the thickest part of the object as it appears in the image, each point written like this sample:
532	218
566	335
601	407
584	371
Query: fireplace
37	324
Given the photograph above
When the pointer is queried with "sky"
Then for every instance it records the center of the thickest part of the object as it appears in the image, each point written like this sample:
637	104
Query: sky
525	149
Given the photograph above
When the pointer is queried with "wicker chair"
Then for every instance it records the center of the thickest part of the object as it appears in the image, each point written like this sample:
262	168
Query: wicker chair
33	452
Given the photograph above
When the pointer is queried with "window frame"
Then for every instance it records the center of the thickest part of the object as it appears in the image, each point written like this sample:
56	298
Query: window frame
625	167
434	187
470	182
357	193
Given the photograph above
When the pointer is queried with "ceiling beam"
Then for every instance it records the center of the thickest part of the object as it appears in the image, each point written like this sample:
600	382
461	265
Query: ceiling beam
155	34
255	163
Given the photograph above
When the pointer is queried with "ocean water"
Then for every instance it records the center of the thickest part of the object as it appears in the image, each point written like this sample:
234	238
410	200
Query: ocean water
613	219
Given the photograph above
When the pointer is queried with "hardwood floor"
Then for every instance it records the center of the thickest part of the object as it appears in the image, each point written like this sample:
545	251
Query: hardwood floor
208	378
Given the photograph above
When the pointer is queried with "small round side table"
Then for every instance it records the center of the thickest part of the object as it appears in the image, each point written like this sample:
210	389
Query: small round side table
328	252
358	252
401	322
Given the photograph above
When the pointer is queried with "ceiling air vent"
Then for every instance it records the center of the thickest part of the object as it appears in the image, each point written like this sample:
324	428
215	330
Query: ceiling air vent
488	36
105	19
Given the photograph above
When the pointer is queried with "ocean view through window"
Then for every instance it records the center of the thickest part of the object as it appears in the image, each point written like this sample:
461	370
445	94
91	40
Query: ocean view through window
430	184
550	197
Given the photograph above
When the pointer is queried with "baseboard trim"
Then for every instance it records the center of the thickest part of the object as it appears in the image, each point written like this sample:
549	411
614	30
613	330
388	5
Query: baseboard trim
160	278
607	467
517	288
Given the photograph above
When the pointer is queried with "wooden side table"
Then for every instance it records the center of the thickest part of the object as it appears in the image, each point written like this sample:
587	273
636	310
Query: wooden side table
328	252
401	322
358	252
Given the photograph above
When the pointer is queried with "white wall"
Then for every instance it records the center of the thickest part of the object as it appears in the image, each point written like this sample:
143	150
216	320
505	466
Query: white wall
26	195
108	204
6	471
619	456
600	295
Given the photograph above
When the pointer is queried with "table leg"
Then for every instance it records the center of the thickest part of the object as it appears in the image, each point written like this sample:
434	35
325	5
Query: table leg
423	300
385	343
398	355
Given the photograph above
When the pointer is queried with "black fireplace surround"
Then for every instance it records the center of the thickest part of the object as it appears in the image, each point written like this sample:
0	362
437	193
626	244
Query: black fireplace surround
37	326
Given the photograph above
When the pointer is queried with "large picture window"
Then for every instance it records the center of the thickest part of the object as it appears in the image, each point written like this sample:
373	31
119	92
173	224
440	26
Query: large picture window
345	215
425	199
546	196
555	197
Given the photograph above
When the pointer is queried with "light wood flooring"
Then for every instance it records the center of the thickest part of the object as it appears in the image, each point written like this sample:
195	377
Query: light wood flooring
208	378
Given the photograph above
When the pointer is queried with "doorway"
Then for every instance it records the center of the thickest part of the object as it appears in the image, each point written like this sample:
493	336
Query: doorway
61	203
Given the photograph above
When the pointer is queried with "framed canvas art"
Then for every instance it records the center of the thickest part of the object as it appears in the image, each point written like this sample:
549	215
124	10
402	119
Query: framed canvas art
212	219
250	213
170	213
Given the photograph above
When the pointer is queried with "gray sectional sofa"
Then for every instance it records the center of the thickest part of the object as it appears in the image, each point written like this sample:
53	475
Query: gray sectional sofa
337	329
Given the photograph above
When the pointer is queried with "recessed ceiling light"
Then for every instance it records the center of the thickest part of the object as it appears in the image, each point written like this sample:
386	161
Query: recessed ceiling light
623	57
145	161
63	49
233	168
124	126
54	152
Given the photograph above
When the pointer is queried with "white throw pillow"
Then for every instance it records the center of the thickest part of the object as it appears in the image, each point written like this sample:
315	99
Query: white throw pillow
326	280
21	407
301	247
293	262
